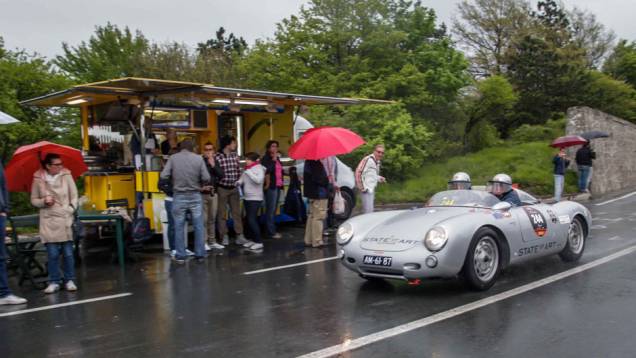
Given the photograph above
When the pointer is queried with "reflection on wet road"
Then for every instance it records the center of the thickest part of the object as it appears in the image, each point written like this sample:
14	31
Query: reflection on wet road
289	301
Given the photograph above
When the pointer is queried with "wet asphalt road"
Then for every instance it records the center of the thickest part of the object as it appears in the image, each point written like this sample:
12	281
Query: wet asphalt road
213	309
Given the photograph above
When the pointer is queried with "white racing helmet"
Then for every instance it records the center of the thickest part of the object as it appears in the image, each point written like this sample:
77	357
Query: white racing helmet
460	181
499	184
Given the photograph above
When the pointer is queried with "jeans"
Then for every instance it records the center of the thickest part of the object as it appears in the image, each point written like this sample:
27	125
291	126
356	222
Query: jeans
168	205
183	203
251	212
558	186
367	201
584	172
271	202
54	250
4	280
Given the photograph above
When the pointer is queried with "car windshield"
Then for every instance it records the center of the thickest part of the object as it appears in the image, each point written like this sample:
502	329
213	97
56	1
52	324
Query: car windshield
471	198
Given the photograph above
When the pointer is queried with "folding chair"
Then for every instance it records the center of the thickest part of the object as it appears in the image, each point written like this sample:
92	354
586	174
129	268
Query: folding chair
26	249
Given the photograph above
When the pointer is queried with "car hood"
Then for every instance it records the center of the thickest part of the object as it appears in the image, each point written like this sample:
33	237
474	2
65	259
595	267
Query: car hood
407	229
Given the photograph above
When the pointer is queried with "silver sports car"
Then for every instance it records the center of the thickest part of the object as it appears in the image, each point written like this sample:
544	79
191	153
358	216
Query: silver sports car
469	233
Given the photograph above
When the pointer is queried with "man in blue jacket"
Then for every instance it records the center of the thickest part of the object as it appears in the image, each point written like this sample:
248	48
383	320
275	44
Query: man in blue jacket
6	297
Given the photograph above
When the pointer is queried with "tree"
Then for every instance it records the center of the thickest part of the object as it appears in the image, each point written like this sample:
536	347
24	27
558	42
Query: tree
592	36
611	96
109	53
487	28
491	104
621	64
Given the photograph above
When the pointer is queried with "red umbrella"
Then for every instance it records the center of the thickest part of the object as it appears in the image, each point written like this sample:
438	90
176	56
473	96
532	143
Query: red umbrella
318	143
27	160
568	141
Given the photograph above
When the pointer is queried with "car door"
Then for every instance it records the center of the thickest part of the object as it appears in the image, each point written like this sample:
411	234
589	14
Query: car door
539	230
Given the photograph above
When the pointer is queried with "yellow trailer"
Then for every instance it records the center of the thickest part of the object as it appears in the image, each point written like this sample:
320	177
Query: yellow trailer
123	122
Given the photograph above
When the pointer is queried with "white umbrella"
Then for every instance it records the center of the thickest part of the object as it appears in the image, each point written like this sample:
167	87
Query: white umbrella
7	119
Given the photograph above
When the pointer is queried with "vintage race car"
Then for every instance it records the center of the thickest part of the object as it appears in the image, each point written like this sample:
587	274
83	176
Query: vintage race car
467	233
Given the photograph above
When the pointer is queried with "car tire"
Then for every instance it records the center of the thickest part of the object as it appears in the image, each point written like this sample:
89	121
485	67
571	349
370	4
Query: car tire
347	195
575	244
483	260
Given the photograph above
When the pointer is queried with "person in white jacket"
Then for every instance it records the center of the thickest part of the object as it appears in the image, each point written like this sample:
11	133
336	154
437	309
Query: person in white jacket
252	181
368	177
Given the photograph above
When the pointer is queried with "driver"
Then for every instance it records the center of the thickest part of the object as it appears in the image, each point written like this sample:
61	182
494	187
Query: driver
501	187
460	181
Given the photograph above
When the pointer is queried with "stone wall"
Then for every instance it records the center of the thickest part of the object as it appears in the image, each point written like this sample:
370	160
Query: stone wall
615	166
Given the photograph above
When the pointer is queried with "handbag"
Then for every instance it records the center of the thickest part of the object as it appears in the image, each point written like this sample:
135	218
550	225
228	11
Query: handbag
339	205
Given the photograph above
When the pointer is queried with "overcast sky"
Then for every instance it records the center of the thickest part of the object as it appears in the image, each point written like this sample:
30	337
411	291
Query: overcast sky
42	25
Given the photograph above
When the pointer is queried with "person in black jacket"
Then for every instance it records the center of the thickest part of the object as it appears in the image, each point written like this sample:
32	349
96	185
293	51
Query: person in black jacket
584	157
273	185
209	197
560	162
316	190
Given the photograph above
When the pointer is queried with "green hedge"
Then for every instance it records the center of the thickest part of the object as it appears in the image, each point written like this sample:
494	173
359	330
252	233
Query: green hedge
529	164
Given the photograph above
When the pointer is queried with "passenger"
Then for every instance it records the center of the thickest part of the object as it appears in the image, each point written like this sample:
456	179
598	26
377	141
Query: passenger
460	181
501	187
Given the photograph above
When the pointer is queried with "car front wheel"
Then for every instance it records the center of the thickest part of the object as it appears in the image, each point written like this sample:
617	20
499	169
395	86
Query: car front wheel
483	260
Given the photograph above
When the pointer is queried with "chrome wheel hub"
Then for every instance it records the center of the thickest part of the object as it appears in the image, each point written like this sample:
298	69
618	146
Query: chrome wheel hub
486	258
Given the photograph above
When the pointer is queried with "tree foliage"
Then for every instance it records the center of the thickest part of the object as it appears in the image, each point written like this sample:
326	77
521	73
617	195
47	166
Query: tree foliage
109	53
621	64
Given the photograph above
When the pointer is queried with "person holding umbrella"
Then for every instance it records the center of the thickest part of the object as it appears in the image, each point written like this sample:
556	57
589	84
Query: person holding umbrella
53	191
584	157
314	145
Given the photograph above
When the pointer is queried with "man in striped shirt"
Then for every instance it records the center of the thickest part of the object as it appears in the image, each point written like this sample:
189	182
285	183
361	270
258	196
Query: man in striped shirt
228	192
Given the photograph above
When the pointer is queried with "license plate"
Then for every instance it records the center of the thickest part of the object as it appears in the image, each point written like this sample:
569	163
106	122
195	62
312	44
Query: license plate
377	260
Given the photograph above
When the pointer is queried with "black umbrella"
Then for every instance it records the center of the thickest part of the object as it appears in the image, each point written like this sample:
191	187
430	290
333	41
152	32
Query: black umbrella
594	134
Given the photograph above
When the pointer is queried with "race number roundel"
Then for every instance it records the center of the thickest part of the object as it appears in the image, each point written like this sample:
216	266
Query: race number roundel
537	220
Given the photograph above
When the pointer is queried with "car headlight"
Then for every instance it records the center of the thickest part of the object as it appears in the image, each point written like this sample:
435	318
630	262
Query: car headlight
345	233
435	239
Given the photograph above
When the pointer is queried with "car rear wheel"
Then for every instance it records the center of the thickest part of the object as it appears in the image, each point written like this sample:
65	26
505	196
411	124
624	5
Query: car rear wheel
483	260
575	244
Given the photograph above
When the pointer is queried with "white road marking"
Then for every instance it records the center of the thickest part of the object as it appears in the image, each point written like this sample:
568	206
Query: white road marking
614	238
351	344
43	308
598	227
616	199
292	265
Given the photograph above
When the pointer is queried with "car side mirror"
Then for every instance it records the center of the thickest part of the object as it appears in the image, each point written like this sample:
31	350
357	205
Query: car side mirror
502	206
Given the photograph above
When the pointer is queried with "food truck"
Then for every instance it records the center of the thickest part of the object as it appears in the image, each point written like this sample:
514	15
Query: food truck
125	120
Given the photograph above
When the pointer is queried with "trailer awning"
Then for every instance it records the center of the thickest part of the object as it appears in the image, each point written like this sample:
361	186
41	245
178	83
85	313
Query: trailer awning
175	92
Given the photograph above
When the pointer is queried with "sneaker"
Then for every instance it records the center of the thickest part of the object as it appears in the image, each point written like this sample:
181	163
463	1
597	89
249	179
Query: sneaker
248	244
241	240
189	253
208	247
52	288
70	286
226	240
277	236
173	253
214	245
12	300
256	246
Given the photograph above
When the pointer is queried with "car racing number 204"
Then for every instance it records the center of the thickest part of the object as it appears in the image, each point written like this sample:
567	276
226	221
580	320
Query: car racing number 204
537	220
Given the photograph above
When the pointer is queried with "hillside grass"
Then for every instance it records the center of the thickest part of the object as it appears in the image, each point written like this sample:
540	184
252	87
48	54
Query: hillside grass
529	165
